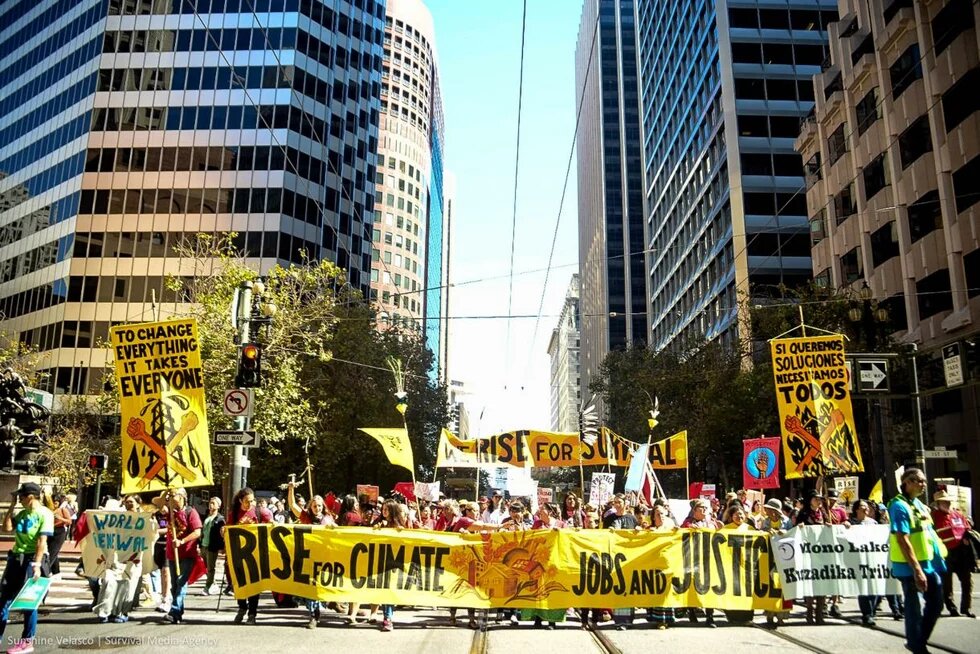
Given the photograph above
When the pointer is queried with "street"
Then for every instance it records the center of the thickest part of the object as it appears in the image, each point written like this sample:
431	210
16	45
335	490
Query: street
67	625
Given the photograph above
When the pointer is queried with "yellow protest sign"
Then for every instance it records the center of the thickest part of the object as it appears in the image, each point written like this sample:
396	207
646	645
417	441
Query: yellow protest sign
161	400
395	442
815	412
529	569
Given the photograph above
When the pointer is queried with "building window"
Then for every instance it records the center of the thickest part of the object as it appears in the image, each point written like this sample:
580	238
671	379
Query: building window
844	204
934	294
905	70
961	100
875	177
964	184
915	141
818	227
952	20
884	244
925	216
837	144
852	266
822	279
867	111
812	170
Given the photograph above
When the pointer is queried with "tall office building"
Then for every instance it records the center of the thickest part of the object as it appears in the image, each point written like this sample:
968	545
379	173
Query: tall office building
448	226
724	85
893	159
610	184
406	274
563	350
129	126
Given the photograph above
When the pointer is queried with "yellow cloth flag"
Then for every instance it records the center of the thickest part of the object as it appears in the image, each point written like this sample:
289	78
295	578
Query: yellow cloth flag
670	453
876	494
396	444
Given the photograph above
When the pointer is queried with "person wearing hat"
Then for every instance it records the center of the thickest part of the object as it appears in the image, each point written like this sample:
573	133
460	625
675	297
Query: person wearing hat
814	513
951	525
182	553
918	560
775	520
701	518
496	512
32	526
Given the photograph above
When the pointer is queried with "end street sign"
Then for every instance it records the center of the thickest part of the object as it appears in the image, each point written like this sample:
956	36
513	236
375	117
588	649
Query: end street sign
940	453
247	438
873	375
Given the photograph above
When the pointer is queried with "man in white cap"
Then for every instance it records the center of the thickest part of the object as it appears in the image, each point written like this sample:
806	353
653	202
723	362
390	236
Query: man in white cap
951	525
776	520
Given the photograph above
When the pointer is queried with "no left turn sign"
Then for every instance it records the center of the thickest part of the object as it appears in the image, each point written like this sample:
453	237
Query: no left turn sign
238	403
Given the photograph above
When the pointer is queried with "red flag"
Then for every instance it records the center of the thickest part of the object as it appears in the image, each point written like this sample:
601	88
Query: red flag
332	503
694	490
760	464
648	486
406	488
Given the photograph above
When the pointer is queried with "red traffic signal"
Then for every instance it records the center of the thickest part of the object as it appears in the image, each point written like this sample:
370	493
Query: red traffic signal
98	461
249	366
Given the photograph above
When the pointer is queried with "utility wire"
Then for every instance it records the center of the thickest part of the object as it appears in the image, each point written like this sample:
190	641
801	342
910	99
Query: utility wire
517	163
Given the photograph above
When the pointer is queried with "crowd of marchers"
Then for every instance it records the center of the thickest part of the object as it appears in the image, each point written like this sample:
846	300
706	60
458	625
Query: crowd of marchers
930	545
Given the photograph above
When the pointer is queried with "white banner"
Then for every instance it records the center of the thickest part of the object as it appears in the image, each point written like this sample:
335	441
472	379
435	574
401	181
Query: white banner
117	539
837	560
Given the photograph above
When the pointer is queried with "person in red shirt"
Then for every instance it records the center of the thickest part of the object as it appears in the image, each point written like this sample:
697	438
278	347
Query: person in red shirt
244	511
182	535
951	525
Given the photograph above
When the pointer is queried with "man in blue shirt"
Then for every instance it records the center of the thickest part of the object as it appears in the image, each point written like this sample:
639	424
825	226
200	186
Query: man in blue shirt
918	560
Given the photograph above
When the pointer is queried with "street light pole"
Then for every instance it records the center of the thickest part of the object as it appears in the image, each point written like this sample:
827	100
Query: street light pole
867	317
239	455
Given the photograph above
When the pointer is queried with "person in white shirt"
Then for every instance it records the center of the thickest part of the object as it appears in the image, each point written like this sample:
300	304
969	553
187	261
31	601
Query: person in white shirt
496	512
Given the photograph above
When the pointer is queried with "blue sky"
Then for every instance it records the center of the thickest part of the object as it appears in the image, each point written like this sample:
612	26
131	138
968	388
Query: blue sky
478	43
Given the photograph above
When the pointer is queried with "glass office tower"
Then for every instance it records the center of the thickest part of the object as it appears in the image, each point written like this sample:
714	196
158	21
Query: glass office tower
131	125
724	86
610	184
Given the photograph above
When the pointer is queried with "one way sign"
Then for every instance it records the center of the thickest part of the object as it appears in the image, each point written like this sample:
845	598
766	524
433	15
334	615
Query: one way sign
246	438
873	375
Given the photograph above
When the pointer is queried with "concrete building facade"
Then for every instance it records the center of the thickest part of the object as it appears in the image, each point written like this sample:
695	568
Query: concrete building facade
563	350
407	270
893	159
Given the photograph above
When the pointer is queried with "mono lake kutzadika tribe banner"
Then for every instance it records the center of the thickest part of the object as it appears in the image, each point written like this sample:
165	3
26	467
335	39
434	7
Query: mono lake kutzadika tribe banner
835	560
542	569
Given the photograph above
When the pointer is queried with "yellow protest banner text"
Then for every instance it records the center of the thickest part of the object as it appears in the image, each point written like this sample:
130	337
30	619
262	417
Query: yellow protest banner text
530	569
161	397
815	412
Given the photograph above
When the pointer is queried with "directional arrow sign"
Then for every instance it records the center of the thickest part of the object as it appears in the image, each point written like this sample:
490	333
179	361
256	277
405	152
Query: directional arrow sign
873	375
247	438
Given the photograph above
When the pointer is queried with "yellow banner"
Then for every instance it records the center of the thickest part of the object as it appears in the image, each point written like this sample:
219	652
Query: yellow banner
532	569
815	412
395	442
540	449
161	400
450	456
670	453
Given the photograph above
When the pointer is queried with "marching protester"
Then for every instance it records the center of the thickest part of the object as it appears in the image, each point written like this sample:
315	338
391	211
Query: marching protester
814	512
426	521
619	517
496	512
315	513
348	515
27	559
545	518
737	520
701	518
861	515
776	522
660	521
838	516
573	514
212	543
895	603
244	511
63	519
162	517
395	516
183	559
952	526
455	522
119	586
917	555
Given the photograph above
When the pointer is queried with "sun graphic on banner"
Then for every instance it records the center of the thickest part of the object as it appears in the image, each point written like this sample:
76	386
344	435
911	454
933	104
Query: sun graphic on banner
513	570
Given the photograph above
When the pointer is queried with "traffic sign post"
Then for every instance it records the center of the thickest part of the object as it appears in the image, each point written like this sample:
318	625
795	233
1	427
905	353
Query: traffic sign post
242	438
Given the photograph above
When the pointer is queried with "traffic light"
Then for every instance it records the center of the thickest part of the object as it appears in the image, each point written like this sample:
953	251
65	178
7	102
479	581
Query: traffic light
249	366
98	461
